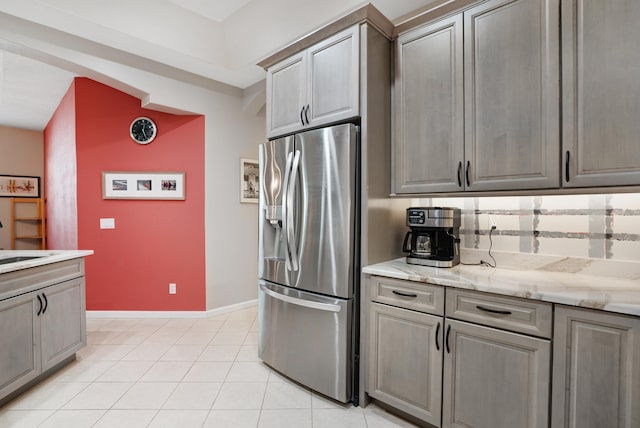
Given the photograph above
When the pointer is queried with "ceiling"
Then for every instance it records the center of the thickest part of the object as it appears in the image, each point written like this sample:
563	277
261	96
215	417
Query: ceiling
215	41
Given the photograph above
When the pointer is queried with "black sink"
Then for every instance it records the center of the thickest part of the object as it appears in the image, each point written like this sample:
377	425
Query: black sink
17	259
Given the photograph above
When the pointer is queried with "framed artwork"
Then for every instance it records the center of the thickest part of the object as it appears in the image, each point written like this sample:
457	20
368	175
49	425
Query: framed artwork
19	186
143	185
249	181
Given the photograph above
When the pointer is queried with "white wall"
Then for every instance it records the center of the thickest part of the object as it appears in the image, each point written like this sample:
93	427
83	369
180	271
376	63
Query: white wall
231	227
21	153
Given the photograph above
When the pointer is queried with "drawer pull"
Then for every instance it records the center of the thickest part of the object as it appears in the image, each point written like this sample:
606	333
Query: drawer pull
494	311
403	294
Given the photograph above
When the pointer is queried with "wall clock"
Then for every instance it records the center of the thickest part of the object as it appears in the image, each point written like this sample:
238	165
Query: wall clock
143	130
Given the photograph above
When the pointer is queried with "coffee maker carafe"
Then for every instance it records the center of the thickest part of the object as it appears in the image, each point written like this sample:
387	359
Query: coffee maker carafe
434	236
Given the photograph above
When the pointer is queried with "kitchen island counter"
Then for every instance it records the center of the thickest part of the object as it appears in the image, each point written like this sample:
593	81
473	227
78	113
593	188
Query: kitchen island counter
612	286
42	300
42	257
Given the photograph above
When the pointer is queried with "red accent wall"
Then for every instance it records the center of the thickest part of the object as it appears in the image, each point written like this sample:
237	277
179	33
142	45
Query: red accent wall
60	175
154	242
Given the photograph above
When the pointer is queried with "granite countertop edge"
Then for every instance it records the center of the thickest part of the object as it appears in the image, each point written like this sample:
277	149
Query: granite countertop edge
565	281
45	257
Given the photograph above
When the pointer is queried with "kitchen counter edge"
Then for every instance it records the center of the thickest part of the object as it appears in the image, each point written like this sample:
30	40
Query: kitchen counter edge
612	294
45	257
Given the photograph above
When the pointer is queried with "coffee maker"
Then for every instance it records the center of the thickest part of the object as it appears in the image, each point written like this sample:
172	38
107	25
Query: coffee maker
434	236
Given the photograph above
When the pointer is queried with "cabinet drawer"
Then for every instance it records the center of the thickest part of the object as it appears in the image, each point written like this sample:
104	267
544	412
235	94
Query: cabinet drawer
514	314
406	294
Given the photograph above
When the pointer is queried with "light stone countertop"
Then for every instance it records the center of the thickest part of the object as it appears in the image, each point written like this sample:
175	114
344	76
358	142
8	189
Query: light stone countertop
45	257
612	286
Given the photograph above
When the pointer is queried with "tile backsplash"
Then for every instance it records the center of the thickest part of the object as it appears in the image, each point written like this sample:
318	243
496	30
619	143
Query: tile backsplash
605	226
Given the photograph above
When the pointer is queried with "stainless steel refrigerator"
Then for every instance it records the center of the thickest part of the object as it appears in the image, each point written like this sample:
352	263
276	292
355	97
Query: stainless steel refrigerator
309	258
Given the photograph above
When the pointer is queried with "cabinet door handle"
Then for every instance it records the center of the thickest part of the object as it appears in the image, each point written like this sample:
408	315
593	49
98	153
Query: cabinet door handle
404	294
566	166
460	174
301	113
493	311
446	339
46	303
40	305
466	173
438	336
306	114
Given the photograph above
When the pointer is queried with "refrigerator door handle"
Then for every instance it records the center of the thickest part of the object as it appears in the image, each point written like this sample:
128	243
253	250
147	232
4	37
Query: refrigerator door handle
285	209
291	192
328	307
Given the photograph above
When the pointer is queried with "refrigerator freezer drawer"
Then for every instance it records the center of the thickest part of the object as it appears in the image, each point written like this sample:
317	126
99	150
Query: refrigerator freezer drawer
307	337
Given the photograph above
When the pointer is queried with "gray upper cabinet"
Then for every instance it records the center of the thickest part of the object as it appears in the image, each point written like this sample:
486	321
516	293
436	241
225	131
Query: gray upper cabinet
334	71
480	113
601	92
596	369
317	86
286	95
429	141
511	95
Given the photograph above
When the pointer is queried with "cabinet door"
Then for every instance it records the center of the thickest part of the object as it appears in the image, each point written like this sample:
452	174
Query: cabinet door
429	140
601	89
286	95
512	95
19	350
596	370
334	78
494	379
405	369
63	321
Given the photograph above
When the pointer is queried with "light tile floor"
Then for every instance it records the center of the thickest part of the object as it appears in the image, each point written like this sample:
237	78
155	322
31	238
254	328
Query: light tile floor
179	373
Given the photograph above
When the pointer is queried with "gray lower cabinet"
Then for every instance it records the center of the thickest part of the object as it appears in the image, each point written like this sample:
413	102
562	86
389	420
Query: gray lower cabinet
600	109
596	368
494	378
20	351
39	330
405	346
406	361
472	367
63	324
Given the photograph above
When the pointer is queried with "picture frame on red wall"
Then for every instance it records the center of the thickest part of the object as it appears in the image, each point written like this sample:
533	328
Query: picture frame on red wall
143	185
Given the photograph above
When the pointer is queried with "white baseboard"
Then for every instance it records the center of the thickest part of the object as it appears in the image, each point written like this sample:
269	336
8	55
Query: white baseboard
172	314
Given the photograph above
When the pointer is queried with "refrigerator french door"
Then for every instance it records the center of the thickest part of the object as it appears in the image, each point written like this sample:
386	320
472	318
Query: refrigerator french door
308	257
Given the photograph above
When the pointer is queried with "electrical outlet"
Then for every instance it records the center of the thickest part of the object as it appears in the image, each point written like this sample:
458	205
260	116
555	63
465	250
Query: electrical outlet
172	288
493	223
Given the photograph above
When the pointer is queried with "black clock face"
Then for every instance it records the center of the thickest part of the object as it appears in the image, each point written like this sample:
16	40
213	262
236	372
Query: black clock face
143	130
